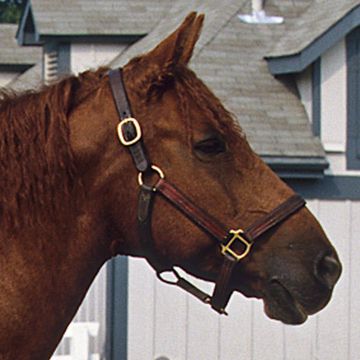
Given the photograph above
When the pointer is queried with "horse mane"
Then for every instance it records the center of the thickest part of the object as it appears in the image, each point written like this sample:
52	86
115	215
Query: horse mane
37	164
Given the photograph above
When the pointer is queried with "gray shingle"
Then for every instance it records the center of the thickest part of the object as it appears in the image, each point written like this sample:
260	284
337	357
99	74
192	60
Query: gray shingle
312	23
11	53
77	17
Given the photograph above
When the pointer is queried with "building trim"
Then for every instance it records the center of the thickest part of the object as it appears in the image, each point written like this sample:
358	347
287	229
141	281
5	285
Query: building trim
353	103
328	188
296	63
17	68
117	308
27	33
64	60
316	98
96	39
297	167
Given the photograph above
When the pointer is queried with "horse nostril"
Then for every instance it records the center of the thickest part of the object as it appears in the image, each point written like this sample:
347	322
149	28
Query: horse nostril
328	270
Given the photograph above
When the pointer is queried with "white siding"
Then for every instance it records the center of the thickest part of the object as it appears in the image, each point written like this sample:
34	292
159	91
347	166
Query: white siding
163	321
333	98
304	84
91	56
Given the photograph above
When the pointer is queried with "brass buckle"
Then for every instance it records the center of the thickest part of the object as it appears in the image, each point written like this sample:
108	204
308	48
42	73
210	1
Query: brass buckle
121	134
233	236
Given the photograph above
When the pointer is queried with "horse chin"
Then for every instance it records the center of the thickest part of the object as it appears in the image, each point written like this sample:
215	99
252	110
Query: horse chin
280	304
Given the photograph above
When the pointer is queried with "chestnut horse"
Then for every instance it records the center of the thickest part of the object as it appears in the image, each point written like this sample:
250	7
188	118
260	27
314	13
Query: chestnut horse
68	193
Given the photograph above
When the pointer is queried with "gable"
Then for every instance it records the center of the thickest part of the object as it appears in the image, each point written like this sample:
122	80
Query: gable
27	33
313	33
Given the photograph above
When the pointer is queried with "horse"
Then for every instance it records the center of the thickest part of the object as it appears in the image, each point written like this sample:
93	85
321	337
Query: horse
73	156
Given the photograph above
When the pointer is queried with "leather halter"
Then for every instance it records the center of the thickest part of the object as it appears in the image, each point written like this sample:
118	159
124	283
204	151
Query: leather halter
129	133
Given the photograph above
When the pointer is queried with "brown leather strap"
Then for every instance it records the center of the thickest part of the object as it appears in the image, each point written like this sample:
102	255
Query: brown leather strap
266	222
185	285
193	212
137	150
222	291
144	216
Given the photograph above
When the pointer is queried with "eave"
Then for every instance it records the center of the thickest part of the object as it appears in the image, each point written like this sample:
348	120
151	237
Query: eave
297	167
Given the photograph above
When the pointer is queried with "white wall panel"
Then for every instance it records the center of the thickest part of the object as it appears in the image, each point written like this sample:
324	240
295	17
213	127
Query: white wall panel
171	321
141	321
236	338
304	84
354	282
91	56
203	329
267	336
300	341
333	98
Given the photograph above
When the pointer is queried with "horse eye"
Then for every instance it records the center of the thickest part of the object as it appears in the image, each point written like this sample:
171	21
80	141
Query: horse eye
210	146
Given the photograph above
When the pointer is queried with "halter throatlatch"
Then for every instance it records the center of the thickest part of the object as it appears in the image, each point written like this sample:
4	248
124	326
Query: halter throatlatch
235	244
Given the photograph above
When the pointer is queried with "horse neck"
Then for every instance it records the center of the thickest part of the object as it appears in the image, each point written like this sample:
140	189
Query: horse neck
44	277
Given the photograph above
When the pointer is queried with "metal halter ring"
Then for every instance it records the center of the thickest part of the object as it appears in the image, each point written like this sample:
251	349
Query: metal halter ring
155	169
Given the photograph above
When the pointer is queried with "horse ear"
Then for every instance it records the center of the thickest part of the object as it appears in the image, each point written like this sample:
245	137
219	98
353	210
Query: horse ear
178	47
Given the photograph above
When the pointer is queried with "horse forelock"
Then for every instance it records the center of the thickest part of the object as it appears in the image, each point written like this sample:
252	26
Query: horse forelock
150	81
192	89
37	166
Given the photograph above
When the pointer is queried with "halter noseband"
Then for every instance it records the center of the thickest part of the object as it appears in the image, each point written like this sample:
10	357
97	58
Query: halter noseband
130	136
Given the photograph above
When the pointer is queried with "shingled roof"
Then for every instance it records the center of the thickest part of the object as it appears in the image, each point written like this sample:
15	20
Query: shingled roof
312	33
13	56
30	79
91	18
230	58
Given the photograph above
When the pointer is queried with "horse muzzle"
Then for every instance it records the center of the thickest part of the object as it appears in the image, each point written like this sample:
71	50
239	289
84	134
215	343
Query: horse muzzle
292	296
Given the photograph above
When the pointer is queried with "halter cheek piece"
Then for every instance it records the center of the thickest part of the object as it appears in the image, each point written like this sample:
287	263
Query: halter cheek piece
230	241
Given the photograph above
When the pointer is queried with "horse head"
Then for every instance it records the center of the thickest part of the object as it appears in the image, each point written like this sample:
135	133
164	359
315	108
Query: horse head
188	134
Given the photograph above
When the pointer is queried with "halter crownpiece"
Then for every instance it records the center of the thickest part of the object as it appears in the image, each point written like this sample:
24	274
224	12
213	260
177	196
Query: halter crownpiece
130	136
